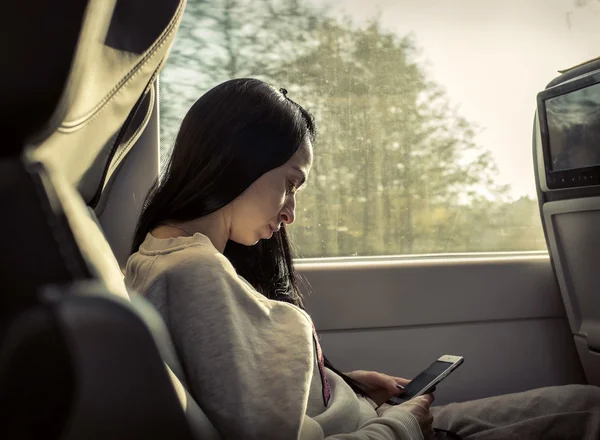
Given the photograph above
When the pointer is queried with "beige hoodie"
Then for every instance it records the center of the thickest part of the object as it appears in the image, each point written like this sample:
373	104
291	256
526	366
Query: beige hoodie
252	364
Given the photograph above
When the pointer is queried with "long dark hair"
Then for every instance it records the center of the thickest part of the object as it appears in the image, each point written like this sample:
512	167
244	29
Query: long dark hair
232	135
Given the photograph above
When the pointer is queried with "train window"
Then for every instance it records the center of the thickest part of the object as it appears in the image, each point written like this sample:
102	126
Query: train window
424	110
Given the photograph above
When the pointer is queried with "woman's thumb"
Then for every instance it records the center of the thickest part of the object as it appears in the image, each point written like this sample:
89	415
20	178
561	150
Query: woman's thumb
425	400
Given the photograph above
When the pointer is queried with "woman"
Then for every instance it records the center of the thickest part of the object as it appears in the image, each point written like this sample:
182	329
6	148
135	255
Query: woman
212	254
215	260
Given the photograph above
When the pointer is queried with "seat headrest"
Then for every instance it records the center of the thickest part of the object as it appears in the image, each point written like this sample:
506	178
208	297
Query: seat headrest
113	84
43	41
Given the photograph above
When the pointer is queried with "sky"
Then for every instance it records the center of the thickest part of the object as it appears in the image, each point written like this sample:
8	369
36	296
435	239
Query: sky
492	57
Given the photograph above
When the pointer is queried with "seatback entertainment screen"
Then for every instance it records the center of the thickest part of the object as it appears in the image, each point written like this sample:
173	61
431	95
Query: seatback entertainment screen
573	123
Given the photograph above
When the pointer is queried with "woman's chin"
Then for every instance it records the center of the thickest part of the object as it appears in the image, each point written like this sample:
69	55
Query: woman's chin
262	235
248	241
267	234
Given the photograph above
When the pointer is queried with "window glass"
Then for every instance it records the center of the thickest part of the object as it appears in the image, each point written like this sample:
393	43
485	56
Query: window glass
424	110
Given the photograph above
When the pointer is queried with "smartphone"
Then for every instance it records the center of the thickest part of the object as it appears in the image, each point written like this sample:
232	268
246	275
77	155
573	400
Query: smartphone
427	380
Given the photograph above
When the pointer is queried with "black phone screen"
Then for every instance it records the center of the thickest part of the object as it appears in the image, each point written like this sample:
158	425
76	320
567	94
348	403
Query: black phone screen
425	378
421	381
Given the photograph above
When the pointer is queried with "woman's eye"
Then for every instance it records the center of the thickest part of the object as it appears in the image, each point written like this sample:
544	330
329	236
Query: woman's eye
292	188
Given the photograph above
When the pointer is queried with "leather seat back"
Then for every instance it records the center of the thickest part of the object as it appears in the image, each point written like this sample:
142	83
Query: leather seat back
78	359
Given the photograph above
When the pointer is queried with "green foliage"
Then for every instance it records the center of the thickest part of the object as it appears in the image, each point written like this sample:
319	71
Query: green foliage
397	170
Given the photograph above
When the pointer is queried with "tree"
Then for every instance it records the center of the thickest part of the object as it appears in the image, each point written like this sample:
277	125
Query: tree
391	148
223	39
397	170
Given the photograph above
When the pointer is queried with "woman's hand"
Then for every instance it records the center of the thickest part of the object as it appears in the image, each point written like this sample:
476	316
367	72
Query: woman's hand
419	409
380	387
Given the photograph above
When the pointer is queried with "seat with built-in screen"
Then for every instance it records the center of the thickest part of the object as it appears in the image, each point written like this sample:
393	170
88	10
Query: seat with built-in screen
566	147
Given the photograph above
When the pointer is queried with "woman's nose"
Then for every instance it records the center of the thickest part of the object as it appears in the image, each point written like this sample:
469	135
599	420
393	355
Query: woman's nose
287	216
288	213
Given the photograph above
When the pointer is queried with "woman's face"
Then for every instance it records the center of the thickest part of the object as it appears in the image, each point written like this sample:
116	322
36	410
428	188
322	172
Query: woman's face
270	200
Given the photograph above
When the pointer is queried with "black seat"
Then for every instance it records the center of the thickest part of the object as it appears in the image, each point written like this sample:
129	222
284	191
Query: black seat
78	359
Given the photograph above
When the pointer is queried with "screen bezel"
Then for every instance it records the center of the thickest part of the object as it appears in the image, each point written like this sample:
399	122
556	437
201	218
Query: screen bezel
575	177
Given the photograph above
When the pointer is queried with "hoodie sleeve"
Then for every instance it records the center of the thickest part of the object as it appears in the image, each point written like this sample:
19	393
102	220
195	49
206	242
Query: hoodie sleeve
249	361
